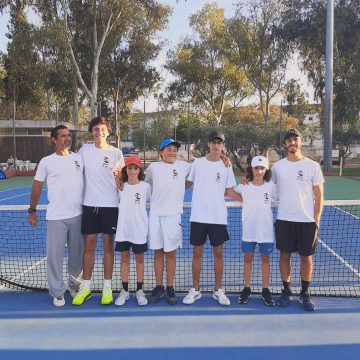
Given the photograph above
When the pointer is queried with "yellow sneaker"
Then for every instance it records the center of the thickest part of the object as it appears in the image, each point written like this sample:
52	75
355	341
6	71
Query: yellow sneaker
107	296
81	296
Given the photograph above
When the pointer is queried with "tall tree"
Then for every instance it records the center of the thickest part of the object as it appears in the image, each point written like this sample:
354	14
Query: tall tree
201	66
257	48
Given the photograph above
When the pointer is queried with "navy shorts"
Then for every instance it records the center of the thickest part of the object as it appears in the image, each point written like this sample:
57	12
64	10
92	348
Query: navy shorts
122	246
248	247
217	234
99	220
298	237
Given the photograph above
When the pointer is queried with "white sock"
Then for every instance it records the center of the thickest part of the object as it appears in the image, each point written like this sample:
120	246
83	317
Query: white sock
107	283
86	284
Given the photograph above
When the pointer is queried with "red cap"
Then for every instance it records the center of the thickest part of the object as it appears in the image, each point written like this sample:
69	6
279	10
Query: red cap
133	160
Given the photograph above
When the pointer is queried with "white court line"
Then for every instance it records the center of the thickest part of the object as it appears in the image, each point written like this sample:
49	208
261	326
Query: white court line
25	272
341	259
16	196
20	187
347	213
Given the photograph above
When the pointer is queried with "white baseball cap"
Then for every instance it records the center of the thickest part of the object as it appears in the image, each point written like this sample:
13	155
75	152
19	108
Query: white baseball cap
260	161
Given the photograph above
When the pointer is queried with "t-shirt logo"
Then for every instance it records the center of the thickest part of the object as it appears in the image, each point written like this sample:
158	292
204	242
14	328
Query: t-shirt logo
218	177
105	162
77	166
300	175
266	198
137	198
175	174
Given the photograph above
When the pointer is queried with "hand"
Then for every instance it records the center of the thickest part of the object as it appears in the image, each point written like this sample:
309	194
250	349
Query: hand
116	172
244	181
226	160
119	183
33	219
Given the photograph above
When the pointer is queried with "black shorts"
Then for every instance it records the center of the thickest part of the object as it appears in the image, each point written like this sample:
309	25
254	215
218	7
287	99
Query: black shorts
298	237
217	234
122	246
99	220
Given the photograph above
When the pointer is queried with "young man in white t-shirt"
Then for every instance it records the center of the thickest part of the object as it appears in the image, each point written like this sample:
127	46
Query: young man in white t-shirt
165	230
63	172
209	213
100	210
300	185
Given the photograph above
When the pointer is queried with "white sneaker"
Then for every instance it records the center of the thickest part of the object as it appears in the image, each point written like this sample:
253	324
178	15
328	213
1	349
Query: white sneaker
59	300
123	296
192	296
220	297
141	298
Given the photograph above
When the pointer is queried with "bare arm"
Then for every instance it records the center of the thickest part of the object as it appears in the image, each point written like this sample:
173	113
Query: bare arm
319	202
230	192
34	199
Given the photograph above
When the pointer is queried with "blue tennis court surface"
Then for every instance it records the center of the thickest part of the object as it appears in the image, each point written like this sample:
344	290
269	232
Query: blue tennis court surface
32	328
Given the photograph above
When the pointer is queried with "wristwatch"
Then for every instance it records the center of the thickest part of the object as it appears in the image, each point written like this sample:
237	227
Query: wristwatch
31	210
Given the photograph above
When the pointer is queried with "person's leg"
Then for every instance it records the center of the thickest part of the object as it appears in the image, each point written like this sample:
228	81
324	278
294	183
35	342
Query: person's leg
75	253
285	266
159	266
125	267
56	237
108	257
218	265
196	265
248	261
265	269
139	258
170	268
89	255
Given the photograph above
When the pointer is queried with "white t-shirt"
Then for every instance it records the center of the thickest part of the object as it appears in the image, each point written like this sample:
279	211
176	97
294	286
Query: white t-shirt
100	186
132	222
65	182
211	179
257	217
295	180
168	187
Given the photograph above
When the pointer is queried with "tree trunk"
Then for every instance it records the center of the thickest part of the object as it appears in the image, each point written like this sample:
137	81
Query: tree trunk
75	111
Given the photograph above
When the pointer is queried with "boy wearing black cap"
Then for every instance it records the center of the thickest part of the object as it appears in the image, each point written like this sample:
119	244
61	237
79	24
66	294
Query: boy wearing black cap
209	214
300	184
165	230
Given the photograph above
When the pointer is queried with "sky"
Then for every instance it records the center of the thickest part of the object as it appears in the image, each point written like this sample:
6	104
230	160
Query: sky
178	27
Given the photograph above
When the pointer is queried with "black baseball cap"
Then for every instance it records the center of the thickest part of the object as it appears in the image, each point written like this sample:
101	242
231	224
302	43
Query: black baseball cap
216	135
292	132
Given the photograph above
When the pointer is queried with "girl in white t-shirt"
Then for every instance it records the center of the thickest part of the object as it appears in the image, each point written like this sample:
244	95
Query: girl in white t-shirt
257	224
132	226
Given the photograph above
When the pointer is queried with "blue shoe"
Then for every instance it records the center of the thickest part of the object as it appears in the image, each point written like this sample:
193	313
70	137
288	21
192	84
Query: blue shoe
305	301
171	296
157	294
285	298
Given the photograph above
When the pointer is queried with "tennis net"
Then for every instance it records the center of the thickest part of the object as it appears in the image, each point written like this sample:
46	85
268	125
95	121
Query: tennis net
336	262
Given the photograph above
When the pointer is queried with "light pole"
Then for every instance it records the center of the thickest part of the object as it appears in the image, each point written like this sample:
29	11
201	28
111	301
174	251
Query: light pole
188	135
280	137
144	131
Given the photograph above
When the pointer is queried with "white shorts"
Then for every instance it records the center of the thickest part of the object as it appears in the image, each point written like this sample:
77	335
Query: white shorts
165	232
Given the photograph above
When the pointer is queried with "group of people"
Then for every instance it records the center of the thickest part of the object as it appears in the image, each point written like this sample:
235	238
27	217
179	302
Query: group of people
95	192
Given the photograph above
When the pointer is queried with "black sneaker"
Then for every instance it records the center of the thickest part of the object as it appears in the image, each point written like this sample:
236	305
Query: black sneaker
285	298
305	301
171	296
157	294
267	298
244	296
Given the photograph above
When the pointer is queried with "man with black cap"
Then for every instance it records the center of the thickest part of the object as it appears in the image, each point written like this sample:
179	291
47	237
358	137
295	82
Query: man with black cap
300	184
209	214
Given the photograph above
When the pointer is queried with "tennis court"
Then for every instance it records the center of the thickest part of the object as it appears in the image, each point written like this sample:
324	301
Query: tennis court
203	329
